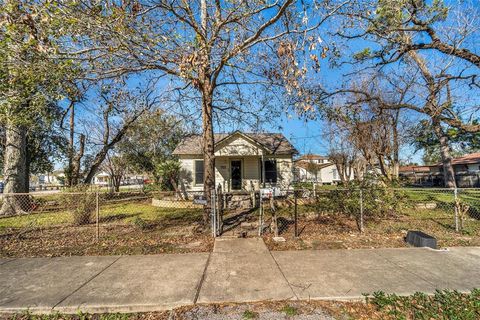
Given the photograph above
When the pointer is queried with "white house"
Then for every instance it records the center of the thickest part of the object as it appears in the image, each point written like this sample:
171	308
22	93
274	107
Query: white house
243	161
316	168
57	177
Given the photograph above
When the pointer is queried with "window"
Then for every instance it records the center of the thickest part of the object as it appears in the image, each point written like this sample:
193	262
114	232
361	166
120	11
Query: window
334	173
270	171
198	172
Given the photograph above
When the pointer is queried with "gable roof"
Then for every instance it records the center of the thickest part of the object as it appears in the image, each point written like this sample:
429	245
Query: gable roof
309	166
273	143
311	156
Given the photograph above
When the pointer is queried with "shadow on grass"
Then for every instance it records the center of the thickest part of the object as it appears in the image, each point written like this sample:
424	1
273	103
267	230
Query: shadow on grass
447	226
175	219
117	217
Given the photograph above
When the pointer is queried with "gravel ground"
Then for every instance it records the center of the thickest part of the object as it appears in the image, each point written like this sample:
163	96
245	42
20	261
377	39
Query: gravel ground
267	311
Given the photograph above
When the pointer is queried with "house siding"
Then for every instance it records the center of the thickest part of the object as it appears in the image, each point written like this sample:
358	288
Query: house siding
250	172
187	173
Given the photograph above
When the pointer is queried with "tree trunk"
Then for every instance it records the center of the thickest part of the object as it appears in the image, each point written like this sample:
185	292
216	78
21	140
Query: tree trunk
208	150
396	147
97	162
75	163
28	160
14	169
116	183
445	153
71	149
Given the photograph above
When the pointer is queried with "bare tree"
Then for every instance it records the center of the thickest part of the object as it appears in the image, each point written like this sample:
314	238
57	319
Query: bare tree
116	167
415	26
120	110
348	161
431	77
206	47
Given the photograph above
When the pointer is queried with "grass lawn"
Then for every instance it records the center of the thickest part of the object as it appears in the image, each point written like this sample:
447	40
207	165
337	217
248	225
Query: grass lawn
125	228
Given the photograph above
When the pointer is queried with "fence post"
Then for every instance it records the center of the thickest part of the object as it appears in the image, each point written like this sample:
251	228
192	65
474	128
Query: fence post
97	218
296	212
455	196
260	216
361	210
214	214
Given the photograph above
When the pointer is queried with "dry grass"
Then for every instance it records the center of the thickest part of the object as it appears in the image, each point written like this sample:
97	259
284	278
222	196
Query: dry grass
341	232
125	228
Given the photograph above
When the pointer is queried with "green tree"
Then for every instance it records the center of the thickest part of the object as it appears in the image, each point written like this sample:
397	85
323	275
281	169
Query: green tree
31	78
423	138
211	50
149	143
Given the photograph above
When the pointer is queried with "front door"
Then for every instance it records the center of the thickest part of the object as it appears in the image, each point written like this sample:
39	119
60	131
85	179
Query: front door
236	174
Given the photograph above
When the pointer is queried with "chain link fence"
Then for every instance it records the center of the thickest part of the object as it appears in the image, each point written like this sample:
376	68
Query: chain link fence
142	222
365	218
103	223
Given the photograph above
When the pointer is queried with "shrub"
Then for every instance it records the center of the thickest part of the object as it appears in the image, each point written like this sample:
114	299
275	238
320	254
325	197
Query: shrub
81	204
444	304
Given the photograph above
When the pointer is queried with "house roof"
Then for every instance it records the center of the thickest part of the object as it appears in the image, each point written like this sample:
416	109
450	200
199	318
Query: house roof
309	165
471	158
311	156
274	143
415	169
467	159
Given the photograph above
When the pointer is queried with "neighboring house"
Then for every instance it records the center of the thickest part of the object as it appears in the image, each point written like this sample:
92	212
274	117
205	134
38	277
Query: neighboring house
467	172
102	178
55	178
316	168
243	161
419	175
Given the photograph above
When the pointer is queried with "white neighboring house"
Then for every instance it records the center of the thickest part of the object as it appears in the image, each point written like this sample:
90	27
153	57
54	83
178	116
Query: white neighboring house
316	168
55	178
243	161
102	178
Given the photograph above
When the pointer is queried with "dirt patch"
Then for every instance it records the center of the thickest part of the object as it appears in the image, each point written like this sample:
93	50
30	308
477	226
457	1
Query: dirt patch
340	232
114	240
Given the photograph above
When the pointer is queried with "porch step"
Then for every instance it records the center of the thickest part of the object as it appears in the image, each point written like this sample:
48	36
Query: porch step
239	201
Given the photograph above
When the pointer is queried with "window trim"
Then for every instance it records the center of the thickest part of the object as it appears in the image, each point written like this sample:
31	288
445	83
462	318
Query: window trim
195	182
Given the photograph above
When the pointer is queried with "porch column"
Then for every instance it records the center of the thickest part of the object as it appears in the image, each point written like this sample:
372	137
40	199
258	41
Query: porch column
263	171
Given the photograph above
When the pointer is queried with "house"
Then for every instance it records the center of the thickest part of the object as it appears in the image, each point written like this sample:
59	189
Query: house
467	172
243	161
316	168
101	178
419	175
55	178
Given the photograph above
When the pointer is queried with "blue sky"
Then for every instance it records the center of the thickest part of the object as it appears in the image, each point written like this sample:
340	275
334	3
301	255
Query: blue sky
308	136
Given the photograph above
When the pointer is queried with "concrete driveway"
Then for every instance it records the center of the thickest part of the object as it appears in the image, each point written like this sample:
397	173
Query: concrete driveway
238	270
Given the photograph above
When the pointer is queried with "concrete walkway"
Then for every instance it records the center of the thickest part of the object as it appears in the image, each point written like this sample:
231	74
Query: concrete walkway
238	270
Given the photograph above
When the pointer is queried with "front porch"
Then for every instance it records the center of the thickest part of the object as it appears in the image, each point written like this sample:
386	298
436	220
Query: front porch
244	173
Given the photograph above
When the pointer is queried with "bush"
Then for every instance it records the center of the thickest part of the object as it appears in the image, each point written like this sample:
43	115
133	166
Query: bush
378	199
444	304
81	204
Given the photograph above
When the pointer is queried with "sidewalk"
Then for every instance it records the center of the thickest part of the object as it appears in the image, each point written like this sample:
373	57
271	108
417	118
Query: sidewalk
238	270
